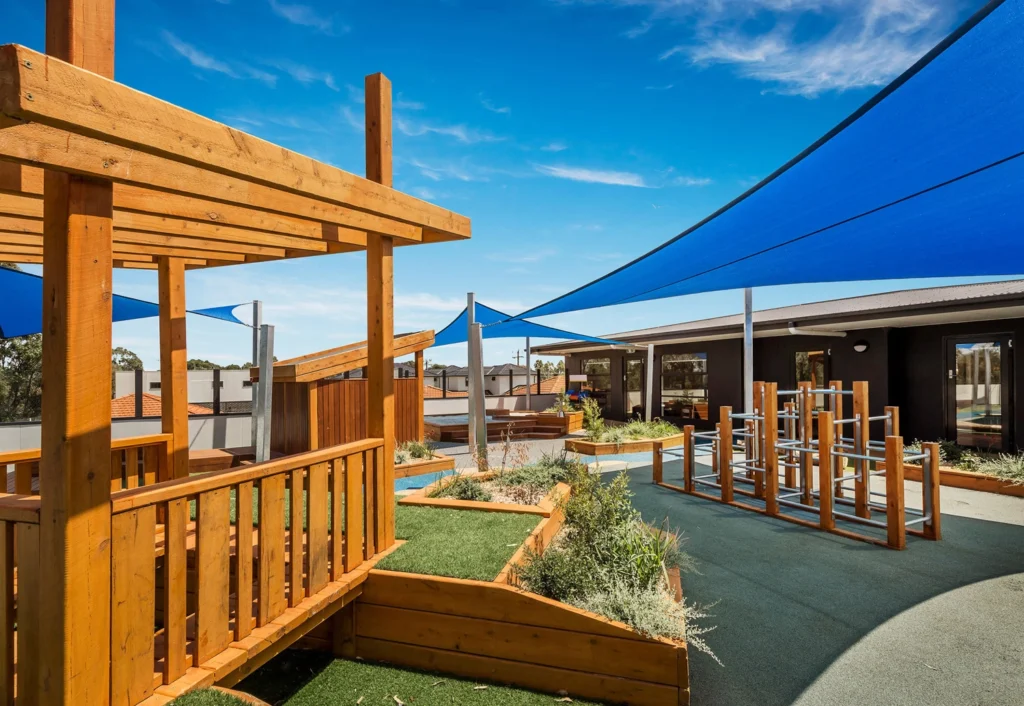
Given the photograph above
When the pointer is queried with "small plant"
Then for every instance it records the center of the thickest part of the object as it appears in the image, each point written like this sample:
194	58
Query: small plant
1009	467
413	450
593	423
461	487
562	404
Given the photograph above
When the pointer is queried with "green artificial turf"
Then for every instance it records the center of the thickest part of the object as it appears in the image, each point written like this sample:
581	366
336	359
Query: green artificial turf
465	544
207	697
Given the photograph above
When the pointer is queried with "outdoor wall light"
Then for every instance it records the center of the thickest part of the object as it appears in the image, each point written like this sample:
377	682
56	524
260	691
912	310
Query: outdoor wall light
861	346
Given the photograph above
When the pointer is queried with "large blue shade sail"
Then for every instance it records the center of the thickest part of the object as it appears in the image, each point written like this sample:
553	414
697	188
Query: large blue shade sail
924	180
22	311
498	325
224	313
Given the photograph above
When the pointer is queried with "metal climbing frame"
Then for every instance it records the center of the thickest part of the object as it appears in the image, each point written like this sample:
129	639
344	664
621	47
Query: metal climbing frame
769	463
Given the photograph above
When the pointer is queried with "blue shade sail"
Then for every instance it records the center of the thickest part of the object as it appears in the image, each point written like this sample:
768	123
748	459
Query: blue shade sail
224	313
924	180
22	311
498	325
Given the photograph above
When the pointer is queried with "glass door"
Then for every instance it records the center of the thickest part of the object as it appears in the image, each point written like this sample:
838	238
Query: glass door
978	381
633	388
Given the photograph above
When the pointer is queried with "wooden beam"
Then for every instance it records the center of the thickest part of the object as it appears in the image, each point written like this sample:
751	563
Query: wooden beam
53	148
380	336
173	363
65	96
75	518
419	396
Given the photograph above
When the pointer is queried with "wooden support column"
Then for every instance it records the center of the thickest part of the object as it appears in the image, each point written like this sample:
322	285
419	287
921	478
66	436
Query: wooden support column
75	526
837	413
420	433
688	458
380	335
173	363
313	414
862	486
725	454
895	508
827	520
771	454
806	431
930	486
657	462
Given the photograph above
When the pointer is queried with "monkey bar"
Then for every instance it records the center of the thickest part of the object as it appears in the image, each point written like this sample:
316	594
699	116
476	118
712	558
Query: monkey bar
776	473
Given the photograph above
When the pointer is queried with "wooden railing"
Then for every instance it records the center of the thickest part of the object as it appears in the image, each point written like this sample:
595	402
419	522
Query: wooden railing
188	559
19	610
135	461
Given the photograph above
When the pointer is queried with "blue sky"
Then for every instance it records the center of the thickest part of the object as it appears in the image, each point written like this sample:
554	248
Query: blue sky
577	135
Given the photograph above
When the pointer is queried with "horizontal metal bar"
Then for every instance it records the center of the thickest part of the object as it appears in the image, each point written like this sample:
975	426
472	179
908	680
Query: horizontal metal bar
746	415
914	457
745	435
847	421
843	479
706	475
790	495
879	418
783	415
674	452
849	454
741	479
787	464
861	520
800	506
745	467
801	449
788	392
917	520
707	482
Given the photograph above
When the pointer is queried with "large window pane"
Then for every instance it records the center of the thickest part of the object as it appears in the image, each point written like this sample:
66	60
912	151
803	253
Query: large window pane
810	367
979	416
599	378
684	385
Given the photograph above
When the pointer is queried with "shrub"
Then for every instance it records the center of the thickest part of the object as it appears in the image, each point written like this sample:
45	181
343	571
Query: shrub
593	423
413	450
461	487
563	403
1009	467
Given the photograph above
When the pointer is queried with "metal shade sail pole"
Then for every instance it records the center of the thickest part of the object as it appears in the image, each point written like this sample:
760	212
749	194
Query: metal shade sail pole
477	396
649	391
528	376
266	389
257	321
471	365
748	350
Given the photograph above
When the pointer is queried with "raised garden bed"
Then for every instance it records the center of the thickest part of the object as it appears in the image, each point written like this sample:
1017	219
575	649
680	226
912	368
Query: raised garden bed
543	508
955	478
611	448
422	466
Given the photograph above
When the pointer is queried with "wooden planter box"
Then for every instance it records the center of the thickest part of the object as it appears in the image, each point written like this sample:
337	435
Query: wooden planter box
955	478
610	448
544	508
423	466
491	631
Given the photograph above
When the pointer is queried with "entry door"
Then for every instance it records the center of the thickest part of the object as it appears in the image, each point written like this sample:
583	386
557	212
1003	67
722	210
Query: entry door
633	383
979	384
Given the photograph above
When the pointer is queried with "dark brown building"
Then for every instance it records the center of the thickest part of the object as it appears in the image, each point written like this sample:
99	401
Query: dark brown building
944	355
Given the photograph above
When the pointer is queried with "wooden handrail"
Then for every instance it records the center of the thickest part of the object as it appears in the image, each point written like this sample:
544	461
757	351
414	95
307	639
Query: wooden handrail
126	500
129	442
19	508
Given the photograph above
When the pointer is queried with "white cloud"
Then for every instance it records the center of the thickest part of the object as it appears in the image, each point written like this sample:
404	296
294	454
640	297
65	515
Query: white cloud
355	121
406	104
305	16
555	147
304	74
489	105
664	87
592	176
638	31
462	133
522	257
868	43
202	60
355	93
691	181
440	171
424	193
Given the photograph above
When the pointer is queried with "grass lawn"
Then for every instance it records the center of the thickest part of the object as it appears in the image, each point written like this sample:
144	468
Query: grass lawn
207	697
465	544
302	678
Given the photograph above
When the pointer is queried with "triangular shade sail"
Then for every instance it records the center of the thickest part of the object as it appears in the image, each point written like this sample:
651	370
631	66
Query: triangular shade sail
498	325
22	313
925	180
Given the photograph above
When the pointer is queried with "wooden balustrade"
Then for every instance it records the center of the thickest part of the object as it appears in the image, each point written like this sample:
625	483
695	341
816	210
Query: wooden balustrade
221	566
135	461
19	610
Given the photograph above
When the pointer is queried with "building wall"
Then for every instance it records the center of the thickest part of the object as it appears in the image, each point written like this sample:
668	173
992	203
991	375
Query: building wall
207	432
234	385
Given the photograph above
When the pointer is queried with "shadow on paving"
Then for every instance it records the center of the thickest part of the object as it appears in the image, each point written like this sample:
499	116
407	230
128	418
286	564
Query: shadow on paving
805	617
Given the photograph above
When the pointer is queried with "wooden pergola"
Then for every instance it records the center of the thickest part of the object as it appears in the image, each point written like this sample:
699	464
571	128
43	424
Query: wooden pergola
96	175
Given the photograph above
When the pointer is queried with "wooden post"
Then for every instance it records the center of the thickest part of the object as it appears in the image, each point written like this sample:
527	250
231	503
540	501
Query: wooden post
861	486
771	454
688	458
826	519
74	478
313	414
657	462
895	509
380	335
725	453
807	435
420	433
790	428
933	527
173	363
837	413
757	440
894	426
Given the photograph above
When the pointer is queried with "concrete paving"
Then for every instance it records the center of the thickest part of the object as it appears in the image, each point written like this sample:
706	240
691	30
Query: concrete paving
812	619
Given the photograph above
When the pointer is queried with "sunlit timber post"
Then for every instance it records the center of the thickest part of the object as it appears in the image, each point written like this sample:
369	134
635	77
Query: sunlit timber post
380	322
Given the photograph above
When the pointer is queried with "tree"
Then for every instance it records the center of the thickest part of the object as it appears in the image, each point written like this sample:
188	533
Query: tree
200	364
21	378
123	359
548	369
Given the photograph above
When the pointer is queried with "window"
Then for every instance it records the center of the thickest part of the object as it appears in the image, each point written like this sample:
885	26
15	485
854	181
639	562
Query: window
810	367
599	378
154	386
246	383
684	385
